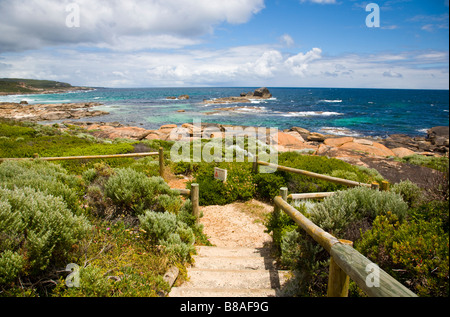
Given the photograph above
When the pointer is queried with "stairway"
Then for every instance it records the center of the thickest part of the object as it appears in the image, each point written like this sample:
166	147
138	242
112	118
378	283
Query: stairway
232	272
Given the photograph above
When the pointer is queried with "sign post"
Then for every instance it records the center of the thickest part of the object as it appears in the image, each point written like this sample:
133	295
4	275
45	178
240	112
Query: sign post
220	174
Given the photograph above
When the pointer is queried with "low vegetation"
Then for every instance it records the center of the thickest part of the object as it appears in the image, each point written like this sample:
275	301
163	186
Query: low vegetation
109	217
13	85
123	226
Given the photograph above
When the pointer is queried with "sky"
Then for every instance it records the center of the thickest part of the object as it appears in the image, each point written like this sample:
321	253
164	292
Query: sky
232	43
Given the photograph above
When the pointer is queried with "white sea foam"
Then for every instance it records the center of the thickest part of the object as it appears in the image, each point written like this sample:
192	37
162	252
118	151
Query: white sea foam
331	101
339	131
312	114
246	109
423	131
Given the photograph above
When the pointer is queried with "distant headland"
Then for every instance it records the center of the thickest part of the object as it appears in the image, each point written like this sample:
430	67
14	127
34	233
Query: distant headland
19	86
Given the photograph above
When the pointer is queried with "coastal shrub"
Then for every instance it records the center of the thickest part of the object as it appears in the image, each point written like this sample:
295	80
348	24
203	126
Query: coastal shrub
410	192
346	215
10	129
165	229
239	185
268	185
36	229
46	177
335	213
321	165
414	253
11	264
147	165
23	140
133	192
279	223
438	163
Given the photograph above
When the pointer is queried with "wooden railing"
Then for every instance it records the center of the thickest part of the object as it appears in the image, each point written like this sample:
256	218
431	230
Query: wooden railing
97	157
346	262
341	181
193	193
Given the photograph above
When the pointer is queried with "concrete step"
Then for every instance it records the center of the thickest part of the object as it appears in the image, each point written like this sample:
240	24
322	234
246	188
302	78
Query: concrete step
220	292
234	263
232	272
232	252
231	279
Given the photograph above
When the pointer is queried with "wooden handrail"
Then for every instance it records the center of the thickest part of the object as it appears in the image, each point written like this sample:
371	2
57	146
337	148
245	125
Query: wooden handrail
310	196
73	158
96	157
349	260
336	180
322	237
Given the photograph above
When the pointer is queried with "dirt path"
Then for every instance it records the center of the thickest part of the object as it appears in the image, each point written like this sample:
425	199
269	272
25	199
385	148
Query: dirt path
237	225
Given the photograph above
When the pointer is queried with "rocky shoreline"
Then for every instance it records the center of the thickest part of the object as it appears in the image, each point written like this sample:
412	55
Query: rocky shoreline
40	91
295	139
379	154
48	112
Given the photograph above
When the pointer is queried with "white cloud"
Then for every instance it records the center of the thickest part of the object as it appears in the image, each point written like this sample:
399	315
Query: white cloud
321	1
287	40
32	24
258	65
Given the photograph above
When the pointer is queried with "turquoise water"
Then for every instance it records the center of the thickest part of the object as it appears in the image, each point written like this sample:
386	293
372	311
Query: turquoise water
356	112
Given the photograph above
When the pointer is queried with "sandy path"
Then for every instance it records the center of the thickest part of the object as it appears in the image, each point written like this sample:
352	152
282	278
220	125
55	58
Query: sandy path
236	225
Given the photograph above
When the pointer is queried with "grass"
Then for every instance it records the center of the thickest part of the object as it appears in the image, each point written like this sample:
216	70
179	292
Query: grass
116	257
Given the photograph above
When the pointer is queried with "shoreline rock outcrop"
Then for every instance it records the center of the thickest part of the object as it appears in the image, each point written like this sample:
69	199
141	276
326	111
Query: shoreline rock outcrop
258	94
349	149
49	112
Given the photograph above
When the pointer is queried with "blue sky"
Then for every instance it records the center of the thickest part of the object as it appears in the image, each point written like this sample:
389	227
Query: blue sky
275	43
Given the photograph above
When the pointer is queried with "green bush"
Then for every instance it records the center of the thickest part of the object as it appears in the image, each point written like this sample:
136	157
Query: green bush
165	229
437	163
321	165
335	213
133	192
268	185
410	192
343	215
43	176
415	253
239	186
36	230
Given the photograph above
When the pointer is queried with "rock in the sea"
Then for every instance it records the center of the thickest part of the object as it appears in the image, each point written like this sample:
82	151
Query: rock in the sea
439	136
262	93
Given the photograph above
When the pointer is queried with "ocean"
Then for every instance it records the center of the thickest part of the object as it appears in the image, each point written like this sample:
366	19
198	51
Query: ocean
346	112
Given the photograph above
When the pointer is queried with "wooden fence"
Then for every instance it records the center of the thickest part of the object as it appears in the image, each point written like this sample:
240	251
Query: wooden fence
346	262
193	193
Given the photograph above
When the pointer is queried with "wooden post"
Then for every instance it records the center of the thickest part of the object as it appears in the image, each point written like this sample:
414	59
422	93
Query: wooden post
375	186
161	162
338	280
385	186
255	165
284	193
195	191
